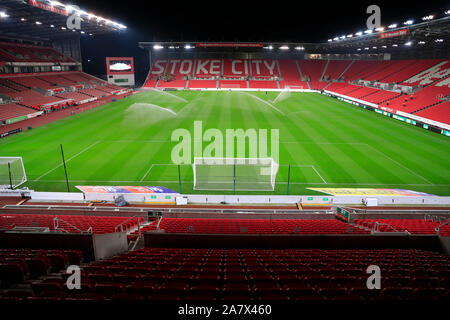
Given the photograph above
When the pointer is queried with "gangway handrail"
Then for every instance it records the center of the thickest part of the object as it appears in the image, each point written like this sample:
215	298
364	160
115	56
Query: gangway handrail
438	228
129	219
57	228
377	225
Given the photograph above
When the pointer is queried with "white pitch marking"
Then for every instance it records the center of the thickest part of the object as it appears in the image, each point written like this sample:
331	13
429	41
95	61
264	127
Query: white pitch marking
265	102
84	150
319	174
403	166
155	164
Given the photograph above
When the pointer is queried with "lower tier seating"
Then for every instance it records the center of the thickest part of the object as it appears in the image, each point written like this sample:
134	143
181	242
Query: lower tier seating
19	265
229	84
438	112
193	84
11	110
257	274
263	84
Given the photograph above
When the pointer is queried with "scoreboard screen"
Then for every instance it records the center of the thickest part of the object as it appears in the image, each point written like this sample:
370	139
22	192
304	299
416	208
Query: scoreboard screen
120	70
120	66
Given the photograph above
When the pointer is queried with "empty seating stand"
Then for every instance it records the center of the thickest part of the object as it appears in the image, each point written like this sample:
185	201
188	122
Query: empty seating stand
99	224
255	226
414	226
258	274
23	265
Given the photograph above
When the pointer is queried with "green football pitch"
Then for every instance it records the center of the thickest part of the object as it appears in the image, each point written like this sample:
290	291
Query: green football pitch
324	142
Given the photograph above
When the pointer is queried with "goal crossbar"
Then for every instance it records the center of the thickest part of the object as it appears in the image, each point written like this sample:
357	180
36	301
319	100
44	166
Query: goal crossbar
238	174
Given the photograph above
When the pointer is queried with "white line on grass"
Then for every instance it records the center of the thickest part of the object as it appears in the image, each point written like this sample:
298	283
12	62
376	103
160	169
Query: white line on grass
73	157
146	173
265	102
319	174
305	166
155	164
403	166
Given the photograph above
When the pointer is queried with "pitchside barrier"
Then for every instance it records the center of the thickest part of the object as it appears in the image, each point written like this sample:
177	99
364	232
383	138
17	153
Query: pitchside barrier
235	199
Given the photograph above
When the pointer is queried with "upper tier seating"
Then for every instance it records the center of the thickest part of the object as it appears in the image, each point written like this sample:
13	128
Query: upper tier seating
335	68
357	68
312	71
255	226
33	99
207	68
33	82
99	224
415	67
414	226
14	52
236	68
289	73
430	75
259	274
387	69
264	69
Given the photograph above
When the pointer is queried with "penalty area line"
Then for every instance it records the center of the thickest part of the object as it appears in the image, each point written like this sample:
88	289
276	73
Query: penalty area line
71	158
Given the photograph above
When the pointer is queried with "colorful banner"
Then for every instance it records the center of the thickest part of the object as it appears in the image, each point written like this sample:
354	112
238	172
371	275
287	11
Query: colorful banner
224	45
392	34
48	7
124	189
370	192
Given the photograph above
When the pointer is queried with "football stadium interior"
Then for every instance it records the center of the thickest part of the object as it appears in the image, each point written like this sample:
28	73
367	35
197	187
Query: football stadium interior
233	171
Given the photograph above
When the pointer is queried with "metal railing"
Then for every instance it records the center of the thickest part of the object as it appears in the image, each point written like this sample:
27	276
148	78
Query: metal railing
116	229
376	228
438	228
57	228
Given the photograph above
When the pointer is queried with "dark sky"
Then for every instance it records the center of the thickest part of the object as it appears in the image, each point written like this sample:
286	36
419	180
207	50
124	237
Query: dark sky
298	20
276	20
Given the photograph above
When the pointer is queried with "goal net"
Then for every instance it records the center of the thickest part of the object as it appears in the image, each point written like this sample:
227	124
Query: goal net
235	174
12	172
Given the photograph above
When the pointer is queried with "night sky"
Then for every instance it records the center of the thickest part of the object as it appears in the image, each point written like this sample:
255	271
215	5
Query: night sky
296	21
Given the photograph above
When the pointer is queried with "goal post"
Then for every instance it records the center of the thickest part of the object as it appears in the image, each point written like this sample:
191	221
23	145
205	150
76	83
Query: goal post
235	174
12	172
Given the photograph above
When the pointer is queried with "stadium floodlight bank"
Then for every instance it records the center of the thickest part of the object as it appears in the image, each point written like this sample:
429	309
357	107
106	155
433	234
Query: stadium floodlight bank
235	174
12	172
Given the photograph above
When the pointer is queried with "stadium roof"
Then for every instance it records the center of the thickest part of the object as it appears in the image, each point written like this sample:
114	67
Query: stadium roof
44	20
432	34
